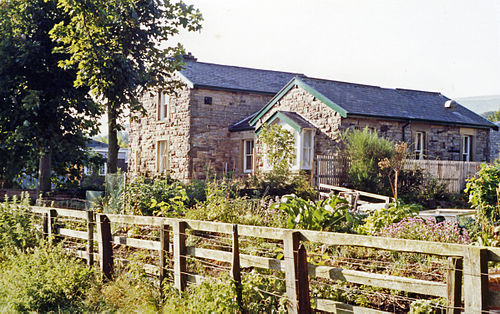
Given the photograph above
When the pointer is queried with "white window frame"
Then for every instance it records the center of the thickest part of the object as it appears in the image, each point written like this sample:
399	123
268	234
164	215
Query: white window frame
163	106
248	152
466	148
103	169
419	145
162	156
307	152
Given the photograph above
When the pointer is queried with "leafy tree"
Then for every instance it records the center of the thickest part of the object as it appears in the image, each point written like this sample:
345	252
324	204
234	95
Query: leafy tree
42	114
116	45
494	116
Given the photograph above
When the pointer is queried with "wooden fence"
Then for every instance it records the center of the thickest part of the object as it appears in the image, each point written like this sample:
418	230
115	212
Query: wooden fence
465	268
333	170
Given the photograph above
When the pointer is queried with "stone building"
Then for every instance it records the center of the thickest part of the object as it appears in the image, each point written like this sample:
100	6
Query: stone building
213	120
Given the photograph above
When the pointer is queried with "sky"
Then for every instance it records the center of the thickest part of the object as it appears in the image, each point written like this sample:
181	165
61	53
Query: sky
449	46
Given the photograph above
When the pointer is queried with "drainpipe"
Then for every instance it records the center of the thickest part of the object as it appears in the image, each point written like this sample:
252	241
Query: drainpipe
403	129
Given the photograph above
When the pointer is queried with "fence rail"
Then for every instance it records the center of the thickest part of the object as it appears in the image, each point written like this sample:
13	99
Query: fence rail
465	267
332	170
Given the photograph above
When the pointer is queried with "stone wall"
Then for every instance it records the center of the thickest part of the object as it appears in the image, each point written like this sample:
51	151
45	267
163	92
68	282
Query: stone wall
441	141
197	133
147	130
212	145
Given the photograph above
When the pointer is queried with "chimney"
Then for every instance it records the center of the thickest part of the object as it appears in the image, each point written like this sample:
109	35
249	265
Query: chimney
189	57
450	104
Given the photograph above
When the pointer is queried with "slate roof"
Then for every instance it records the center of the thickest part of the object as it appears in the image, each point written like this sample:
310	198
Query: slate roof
298	119
217	76
242	125
366	100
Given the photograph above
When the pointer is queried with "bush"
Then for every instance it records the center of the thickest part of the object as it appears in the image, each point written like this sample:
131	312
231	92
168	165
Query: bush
483	191
365	150
210	296
331	214
223	205
17	225
43	279
383	217
426	230
158	196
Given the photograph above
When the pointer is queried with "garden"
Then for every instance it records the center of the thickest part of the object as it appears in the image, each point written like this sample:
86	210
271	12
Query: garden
38	274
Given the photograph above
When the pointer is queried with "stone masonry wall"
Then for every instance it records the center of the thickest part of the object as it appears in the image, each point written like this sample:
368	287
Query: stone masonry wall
212	145
146	131
326	120
442	142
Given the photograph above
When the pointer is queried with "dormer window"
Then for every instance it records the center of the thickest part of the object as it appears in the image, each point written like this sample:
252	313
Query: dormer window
163	106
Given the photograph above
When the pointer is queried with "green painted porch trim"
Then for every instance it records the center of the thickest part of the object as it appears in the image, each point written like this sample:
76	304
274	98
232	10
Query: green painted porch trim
303	85
281	116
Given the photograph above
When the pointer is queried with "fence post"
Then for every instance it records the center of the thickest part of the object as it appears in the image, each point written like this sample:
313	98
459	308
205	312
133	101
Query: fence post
235	267
105	246
454	281
290	253
51	224
303	281
164	248
45	225
90	237
179	254
475	279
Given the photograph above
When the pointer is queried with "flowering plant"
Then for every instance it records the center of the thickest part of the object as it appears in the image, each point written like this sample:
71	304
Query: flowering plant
415	228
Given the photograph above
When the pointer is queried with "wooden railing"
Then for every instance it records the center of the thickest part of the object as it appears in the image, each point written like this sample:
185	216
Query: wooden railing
466	267
332	170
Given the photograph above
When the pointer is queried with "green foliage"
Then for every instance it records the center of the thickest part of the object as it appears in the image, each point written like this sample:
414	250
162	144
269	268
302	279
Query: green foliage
17	226
331	214
383	217
256	301
365	150
297	184
279	151
221	204
434	306
115	47
42	113
210	296
483	191
494	116
43	279
161	196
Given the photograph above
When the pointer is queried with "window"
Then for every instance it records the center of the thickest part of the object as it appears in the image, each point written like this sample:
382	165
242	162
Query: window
307	149
247	156
207	101
419	145
466	148
163	106
162	157
103	169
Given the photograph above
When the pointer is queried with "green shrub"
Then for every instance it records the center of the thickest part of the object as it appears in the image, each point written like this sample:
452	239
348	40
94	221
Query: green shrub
365	150
221	205
383	217
483	191
210	296
43	279
331	214
17	225
158	196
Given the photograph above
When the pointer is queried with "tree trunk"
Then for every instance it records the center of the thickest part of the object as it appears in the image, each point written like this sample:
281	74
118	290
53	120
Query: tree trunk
112	141
44	169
